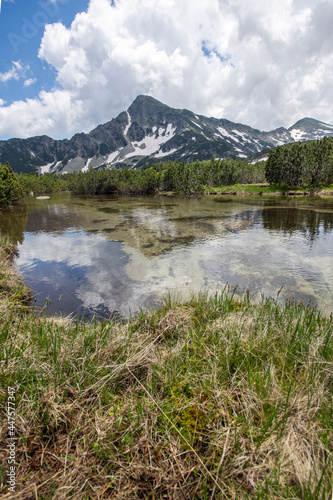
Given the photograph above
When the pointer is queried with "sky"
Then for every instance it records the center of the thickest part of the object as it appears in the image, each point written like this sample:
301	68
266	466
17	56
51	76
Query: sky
68	65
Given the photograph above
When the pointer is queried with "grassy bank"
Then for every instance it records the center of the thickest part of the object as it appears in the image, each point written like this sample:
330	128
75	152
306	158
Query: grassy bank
268	190
217	398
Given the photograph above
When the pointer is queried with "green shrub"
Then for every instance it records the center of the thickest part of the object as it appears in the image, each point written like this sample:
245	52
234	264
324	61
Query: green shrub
9	186
181	177
46	183
301	164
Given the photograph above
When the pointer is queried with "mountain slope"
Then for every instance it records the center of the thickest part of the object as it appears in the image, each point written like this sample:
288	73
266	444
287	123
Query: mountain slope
150	131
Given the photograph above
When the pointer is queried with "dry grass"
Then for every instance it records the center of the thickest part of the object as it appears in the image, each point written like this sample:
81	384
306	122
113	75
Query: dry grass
12	288
217	398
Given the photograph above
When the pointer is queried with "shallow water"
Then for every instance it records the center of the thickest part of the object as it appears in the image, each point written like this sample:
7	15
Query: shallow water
116	255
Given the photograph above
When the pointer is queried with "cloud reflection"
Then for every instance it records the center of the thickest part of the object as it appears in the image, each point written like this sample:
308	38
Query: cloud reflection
89	271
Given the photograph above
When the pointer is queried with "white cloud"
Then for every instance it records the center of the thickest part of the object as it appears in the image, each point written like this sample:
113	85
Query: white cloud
29	82
52	111
16	72
265	64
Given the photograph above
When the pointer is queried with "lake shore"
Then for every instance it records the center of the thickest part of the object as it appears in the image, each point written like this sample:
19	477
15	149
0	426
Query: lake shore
261	189
266	190
220	397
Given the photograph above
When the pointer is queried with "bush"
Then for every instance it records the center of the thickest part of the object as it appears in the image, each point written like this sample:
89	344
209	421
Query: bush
301	164
9	186
38	184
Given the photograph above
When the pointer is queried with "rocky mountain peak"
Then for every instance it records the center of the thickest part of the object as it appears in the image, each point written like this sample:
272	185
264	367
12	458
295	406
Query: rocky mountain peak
310	129
149	132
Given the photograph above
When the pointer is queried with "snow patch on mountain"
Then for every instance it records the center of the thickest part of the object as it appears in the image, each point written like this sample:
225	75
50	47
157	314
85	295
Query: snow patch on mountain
256	160
161	154
321	132
113	156
278	140
151	143
46	168
86	167
128	125
244	136
297	134
196	124
326	125
224	133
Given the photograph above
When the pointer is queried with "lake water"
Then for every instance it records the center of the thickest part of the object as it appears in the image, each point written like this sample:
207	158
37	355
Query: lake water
116	255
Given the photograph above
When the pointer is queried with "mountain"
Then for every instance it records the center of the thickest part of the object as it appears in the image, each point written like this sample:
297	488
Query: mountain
148	132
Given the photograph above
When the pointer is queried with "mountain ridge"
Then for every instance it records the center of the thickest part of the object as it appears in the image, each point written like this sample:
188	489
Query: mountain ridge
148	132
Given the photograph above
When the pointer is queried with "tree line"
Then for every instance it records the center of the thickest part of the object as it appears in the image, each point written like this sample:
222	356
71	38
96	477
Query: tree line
180	177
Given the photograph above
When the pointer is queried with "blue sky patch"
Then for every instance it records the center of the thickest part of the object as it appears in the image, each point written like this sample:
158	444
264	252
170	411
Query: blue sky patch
22	24
210	50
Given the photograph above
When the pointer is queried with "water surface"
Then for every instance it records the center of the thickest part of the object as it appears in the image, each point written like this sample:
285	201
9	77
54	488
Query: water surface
116	255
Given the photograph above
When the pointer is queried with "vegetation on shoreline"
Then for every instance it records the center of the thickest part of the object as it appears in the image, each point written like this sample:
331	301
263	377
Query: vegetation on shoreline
301	164
264	189
220	397
42	184
10	188
186	179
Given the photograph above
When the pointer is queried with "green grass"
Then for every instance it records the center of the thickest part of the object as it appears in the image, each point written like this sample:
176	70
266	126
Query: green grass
221	397
266	189
13	292
243	189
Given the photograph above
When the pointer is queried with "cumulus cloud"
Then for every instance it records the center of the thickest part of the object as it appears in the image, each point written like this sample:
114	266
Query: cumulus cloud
259	63
52	113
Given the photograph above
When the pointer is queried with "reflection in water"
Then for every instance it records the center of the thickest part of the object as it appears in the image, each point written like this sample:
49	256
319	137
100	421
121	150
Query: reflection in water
80	273
104	255
13	221
290	220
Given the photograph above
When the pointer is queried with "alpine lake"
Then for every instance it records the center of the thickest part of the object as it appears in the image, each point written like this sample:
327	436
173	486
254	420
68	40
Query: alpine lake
111	256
